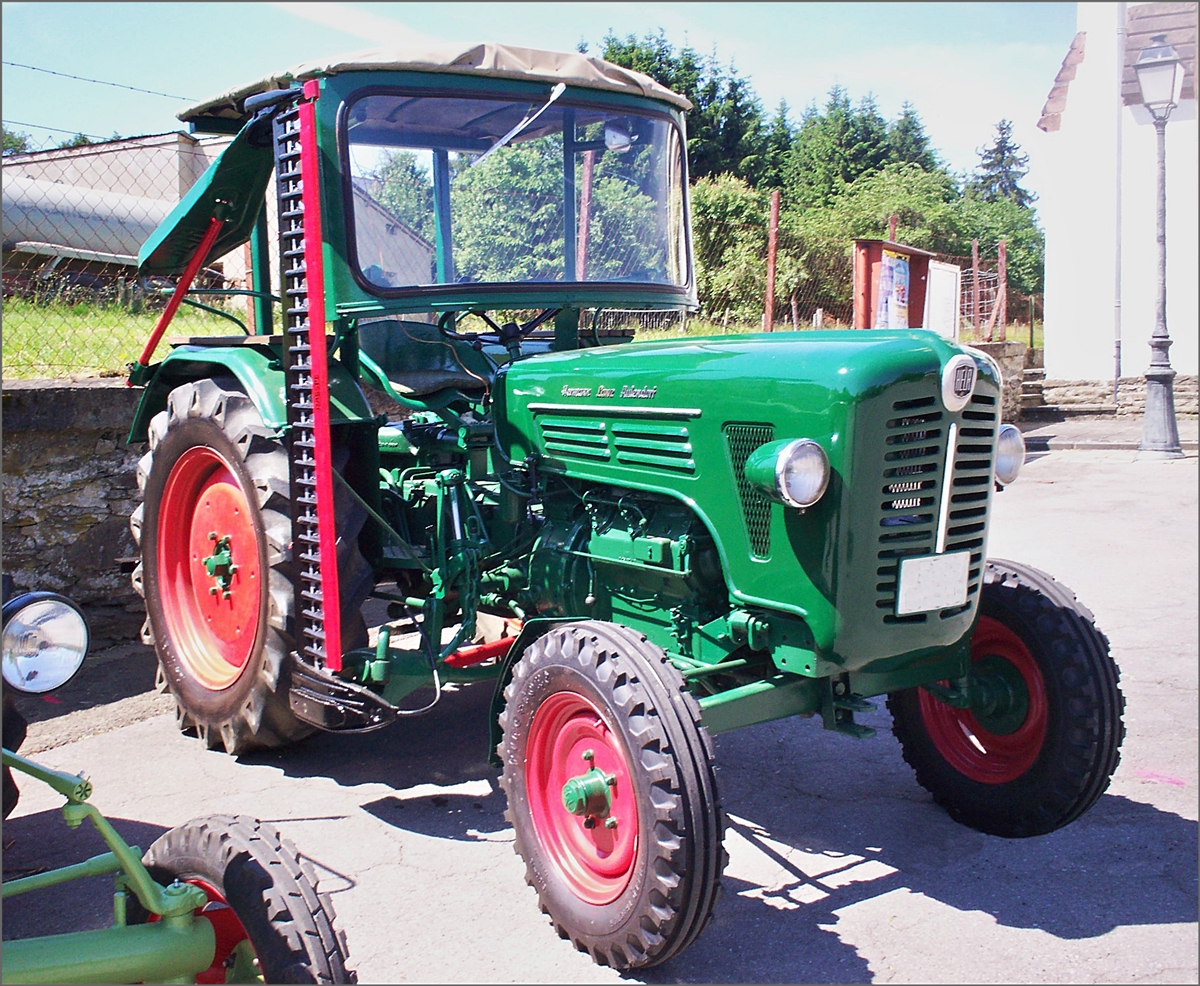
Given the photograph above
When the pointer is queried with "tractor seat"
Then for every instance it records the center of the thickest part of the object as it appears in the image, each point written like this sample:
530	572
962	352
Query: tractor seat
415	359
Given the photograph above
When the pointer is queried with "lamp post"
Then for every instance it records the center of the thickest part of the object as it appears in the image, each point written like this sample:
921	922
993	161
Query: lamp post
1160	79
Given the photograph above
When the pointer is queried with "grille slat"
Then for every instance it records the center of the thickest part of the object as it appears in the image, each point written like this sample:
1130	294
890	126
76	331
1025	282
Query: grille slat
913	450
742	440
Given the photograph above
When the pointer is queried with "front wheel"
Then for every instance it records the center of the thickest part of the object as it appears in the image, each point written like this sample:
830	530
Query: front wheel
611	793
1041	738
271	924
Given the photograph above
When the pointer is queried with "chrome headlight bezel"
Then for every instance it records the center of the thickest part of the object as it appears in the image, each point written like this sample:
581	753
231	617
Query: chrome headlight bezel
1010	453
45	641
767	470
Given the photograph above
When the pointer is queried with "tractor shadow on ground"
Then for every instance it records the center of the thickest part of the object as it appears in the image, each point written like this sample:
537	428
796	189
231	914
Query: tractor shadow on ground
42	841
105	677
817	825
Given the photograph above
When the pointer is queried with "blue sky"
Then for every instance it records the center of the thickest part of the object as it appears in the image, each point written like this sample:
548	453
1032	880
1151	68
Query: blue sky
963	65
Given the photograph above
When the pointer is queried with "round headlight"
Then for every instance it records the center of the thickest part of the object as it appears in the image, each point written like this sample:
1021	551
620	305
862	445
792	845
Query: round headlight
801	473
45	642
1010	454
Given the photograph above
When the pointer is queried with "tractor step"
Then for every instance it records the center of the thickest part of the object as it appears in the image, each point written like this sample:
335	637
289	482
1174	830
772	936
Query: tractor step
333	705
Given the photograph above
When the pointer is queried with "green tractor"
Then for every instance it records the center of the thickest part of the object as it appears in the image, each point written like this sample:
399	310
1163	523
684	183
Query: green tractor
640	544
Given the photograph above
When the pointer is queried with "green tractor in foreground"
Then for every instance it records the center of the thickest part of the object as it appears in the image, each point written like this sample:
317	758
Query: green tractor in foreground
641	545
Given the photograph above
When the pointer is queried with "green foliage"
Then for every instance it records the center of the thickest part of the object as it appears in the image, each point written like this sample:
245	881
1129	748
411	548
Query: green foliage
729	235
405	189
15	143
834	148
79	140
1008	219
1001	168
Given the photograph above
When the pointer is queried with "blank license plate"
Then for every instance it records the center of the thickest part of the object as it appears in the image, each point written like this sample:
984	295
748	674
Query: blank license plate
933	582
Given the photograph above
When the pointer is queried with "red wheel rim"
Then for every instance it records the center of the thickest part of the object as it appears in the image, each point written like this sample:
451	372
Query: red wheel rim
596	863
229	931
215	632
966	744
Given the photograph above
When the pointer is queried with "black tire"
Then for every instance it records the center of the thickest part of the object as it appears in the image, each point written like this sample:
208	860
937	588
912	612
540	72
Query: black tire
643	702
1078	714
251	711
270	888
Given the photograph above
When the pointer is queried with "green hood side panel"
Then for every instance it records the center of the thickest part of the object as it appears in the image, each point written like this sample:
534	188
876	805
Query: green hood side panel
257	370
667	417
236	182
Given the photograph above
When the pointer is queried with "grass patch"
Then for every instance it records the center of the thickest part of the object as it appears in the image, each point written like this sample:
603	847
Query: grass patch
61	339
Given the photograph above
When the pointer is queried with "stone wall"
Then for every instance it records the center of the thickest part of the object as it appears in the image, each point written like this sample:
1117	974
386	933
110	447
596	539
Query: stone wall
69	486
1011	357
1131	394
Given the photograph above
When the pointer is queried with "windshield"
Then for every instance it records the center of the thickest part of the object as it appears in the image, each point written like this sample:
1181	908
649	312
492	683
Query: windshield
576	193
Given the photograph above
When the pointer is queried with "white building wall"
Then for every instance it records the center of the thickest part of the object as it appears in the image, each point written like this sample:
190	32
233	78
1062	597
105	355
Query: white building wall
1079	214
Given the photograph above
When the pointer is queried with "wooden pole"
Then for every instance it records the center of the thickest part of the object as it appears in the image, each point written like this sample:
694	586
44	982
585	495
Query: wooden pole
585	215
892	228
975	286
772	240
1002	294
796	311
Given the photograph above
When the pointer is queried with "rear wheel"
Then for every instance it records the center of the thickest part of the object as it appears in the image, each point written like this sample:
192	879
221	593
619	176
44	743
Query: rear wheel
271	924
1041	739
612	793
216	568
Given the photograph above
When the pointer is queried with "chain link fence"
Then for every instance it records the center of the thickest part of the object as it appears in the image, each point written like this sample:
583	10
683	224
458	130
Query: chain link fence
74	219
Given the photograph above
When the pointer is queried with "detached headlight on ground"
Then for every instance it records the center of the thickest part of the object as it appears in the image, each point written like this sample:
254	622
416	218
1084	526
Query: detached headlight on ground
45	642
795	473
1010	454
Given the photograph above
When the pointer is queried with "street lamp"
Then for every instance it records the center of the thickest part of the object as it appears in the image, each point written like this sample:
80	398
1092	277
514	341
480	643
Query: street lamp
1160	79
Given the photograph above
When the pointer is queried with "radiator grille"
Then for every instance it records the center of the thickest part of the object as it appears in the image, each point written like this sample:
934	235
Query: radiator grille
577	438
971	488
911	491
913	450
742	440
652	445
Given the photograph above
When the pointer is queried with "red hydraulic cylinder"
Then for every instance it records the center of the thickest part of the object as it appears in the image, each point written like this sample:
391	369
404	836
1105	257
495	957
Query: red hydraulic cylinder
464	657
185	282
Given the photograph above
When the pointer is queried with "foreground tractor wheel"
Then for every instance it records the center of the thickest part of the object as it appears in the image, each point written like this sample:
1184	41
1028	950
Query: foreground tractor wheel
271	923
216	568
611	792
1042	737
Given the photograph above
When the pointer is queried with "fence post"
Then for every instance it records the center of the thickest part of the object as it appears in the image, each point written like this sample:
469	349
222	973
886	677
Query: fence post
796	310
975	286
1002	289
892	228
772	240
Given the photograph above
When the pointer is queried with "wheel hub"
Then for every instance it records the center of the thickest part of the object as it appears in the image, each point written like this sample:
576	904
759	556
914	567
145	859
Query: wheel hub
999	696
589	794
212	604
220	566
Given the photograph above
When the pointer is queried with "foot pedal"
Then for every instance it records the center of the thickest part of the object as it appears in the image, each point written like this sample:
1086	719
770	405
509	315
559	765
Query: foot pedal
852	703
333	705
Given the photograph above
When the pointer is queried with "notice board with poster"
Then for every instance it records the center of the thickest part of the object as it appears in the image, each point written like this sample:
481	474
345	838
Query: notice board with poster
890	285
943	299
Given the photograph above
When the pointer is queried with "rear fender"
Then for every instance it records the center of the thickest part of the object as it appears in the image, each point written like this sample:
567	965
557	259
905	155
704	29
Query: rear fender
258	370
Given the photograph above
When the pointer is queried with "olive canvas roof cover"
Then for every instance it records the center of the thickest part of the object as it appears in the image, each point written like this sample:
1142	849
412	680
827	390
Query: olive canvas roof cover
494	60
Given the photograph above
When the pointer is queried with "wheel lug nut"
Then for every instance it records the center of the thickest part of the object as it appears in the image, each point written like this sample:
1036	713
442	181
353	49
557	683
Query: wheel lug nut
589	755
212	535
610	823
589	822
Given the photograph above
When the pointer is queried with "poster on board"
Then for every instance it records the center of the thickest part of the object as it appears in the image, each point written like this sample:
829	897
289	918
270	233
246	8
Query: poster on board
892	312
943	299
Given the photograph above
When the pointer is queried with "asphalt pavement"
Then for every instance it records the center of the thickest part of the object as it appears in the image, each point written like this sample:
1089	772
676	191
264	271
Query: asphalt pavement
841	867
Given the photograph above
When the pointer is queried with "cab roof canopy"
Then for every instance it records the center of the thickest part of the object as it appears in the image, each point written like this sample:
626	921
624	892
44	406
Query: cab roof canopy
226	113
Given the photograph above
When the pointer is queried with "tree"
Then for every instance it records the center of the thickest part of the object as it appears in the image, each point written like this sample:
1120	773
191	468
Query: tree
907	141
835	147
725	126
15	143
778	142
405	189
79	140
1001	168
